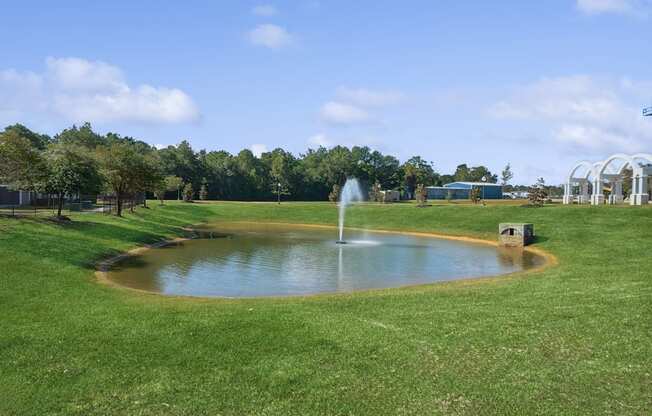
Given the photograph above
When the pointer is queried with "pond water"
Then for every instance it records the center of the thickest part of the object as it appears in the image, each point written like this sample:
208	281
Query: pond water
249	260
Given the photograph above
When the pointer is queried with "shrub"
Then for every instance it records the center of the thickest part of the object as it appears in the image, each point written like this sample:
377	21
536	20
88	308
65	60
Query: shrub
475	194
203	192
374	194
188	193
334	196
538	193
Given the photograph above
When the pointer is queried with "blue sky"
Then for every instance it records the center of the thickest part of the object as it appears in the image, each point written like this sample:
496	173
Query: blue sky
537	84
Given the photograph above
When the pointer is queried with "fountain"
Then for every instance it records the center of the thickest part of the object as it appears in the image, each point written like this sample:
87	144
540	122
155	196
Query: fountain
350	193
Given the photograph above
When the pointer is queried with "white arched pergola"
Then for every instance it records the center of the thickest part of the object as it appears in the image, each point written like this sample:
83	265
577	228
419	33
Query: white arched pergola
575	178
610	171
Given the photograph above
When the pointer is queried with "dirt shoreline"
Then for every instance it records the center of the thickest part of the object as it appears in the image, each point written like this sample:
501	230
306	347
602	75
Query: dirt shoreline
103	267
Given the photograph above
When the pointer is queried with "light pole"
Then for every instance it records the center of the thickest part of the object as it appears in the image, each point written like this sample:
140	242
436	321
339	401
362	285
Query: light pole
278	192
484	180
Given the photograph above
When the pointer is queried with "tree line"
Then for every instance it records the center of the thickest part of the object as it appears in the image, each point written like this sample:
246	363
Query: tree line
80	161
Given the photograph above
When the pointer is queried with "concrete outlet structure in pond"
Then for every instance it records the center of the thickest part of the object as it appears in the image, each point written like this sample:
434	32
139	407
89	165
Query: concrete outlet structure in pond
516	234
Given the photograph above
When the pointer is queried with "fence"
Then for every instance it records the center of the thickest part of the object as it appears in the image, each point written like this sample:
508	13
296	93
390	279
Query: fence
48	206
109	204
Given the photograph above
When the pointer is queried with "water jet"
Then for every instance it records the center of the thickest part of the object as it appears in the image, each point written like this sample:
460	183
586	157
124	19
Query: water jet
351	192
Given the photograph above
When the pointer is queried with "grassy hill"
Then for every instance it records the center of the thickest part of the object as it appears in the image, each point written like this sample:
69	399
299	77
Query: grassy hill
573	339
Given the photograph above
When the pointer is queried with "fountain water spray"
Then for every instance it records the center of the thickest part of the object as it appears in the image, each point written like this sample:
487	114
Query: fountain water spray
350	193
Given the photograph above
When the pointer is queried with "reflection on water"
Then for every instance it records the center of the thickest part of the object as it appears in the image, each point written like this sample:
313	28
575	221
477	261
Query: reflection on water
276	260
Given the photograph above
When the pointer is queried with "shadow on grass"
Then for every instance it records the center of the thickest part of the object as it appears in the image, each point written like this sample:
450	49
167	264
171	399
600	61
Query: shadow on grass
540	239
129	263
85	242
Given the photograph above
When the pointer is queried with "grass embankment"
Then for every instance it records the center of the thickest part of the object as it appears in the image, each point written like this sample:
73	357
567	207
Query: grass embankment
574	339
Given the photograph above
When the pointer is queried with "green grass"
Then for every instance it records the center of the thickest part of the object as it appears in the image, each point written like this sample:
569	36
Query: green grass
573	339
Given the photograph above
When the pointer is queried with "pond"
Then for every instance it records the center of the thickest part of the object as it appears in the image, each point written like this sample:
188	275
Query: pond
251	260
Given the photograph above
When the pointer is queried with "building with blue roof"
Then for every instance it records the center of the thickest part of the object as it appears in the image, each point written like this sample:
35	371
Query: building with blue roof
462	190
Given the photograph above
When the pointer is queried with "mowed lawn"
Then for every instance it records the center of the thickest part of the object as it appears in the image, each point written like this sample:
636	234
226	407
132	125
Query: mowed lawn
573	339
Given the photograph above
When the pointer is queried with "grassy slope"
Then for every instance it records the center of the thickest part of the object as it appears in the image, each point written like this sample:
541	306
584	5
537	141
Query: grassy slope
574	339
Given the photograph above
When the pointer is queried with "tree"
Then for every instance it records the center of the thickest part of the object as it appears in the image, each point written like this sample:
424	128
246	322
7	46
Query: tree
375	194
538	194
311	168
166	184
387	170
334	196
479	172
506	175
474	194
338	165
475	174
83	136
444	179
39	141
122	165
22	166
149	175
220	172
203	192
182	161
280	167
421	195
243	176
188	193
160	188
249	178
70	170
415	171
174	183
279	189
462	173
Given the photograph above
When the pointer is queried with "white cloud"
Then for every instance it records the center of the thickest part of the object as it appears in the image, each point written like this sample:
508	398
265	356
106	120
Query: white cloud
368	98
590	137
143	104
574	97
21	92
75	74
627	7
334	112
270	36
80	90
258	149
320	139
588	113
266	10
352	105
